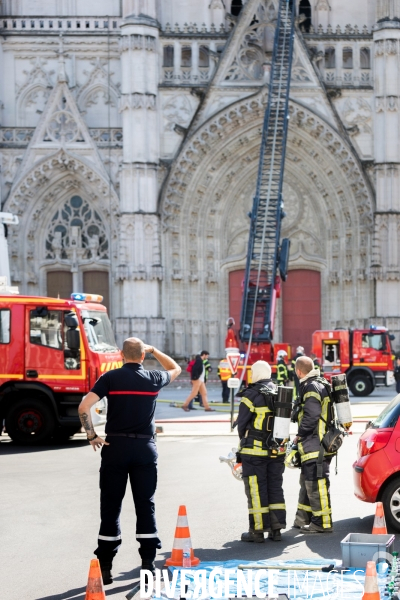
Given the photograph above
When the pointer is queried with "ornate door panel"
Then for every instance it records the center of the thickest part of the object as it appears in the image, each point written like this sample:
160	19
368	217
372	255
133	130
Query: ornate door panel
301	314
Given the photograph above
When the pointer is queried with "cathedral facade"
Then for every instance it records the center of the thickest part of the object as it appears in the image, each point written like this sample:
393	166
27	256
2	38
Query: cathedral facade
129	145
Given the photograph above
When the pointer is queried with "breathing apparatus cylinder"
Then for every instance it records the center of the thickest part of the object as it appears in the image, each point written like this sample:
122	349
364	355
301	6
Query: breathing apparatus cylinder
340	395
282	411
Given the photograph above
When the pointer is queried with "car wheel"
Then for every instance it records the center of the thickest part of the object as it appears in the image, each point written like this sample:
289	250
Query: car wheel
391	504
30	422
361	386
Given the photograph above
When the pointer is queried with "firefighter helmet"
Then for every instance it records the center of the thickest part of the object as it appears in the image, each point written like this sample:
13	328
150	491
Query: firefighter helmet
300	350
282	354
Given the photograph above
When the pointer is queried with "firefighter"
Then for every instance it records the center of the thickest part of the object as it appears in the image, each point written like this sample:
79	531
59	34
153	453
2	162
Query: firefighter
262	459
204	354
312	413
223	374
299	352
317	364
282	371
129	449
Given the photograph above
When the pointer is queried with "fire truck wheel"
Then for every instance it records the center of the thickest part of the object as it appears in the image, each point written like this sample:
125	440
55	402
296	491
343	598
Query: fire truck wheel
30	422
361	385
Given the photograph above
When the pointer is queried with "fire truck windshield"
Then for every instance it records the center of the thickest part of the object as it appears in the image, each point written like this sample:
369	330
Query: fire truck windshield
98	330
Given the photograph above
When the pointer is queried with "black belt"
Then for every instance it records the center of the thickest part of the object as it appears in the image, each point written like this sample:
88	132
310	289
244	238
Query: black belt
132	435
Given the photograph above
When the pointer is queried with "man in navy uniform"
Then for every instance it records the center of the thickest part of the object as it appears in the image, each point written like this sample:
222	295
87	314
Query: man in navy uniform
129	449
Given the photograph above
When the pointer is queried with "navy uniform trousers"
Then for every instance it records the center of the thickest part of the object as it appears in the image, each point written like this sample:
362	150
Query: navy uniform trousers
135	458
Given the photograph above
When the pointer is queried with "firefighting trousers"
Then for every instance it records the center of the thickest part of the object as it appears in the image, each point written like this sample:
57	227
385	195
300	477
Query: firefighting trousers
263	478
137	459
314	498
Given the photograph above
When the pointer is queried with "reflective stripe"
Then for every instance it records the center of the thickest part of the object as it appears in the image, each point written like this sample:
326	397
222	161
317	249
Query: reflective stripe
277	507
147	535
262	410
182	521
257	444
304	507
109	538
180	543
258	423
309	456
256	502
254	452
323	493
320	513
254	511
313	395
248	403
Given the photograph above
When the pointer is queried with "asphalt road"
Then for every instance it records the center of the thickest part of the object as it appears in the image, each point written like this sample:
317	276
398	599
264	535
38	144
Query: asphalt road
50	506
49	514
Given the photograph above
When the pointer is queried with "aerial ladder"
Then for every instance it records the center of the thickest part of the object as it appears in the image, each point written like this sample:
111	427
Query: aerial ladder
267	255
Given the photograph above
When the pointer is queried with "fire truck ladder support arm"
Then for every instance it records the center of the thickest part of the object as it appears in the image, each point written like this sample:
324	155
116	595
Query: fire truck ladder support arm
265	254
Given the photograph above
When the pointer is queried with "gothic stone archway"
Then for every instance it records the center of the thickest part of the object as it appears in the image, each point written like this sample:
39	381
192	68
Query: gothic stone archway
205	204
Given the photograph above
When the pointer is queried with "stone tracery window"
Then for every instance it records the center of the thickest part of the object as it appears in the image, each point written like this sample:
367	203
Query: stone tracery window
347	58
330	58
305	9
77	227
365	58
236	7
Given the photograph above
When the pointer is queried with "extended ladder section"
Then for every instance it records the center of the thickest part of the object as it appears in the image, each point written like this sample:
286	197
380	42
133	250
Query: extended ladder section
264	251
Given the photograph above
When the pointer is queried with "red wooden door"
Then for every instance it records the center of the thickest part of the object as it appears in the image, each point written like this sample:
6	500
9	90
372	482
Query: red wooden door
301	307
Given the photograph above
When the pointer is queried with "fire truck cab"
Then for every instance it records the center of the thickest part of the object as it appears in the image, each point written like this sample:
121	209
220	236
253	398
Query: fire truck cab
51	353
365	355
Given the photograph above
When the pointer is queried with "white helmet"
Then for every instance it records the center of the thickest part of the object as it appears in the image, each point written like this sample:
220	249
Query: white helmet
300	350
282	354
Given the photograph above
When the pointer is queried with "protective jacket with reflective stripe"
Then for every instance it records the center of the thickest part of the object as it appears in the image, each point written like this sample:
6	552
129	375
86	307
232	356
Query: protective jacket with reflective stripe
282	373
256	421
314	416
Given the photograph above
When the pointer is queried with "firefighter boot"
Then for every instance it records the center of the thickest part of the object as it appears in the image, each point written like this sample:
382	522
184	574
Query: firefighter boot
106	566
275	535
253	536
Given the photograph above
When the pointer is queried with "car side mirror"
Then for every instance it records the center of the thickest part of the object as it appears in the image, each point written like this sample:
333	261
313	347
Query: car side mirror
73	339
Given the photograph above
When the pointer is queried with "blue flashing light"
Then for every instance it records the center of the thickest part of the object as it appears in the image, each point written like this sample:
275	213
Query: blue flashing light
78	297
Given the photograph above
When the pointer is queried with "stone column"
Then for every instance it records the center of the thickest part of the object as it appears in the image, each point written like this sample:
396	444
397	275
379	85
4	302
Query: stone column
386	271
139	270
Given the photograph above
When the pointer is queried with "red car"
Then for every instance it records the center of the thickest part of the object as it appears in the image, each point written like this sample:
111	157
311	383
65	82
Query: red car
376	471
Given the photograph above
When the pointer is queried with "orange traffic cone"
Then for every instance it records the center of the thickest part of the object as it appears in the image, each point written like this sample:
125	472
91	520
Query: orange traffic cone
371	590
95	589
182	539
379	521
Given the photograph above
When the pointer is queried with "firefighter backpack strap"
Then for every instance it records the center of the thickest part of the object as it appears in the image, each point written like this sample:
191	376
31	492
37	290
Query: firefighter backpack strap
320	460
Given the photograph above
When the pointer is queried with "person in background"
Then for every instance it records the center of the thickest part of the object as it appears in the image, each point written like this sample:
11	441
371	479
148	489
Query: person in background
224	379
317	364
397	374
299	352
282	371
197	378
207	370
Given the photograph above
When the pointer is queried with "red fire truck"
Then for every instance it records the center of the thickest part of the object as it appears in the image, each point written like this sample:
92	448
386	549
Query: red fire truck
365	355
51	353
